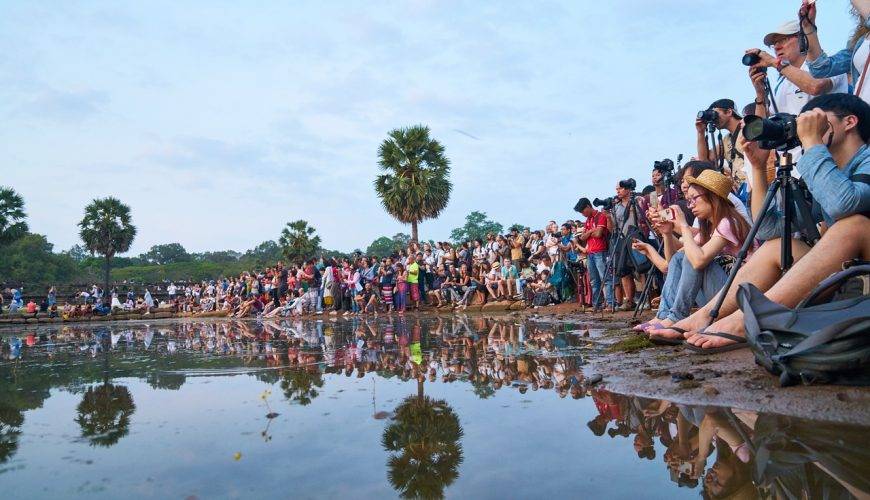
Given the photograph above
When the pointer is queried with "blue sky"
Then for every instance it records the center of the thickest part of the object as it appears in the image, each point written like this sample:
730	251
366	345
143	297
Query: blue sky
218	122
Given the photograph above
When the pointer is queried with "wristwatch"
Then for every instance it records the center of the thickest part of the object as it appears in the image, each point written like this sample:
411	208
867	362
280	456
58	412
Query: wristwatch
781	64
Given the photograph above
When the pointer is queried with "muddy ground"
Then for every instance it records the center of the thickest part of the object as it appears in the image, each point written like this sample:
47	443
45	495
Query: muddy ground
629	364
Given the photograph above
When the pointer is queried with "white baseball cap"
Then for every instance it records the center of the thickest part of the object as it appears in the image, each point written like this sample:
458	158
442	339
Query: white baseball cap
786	28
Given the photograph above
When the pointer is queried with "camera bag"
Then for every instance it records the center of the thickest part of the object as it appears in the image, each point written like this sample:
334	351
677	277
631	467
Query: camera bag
816	342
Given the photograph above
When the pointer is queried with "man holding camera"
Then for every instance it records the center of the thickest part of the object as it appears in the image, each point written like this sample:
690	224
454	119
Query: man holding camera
627	212
594	237
834	130
723	116
794	86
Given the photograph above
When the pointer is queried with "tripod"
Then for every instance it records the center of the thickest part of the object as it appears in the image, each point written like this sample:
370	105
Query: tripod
617	245
791	192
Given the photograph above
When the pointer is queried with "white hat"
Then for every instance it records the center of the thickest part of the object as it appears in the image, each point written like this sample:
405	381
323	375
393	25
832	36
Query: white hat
786	28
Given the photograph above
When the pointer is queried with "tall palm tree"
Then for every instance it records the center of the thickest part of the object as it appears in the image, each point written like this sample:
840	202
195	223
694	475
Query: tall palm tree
424	438
415	186
12	225
107	229
298	241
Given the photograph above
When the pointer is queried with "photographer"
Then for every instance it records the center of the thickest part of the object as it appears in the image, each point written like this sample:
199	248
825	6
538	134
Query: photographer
834	130
666	193
594	235
628	214
794	86
723	116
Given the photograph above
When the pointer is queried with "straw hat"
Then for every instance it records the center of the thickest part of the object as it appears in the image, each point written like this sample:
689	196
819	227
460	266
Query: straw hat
714	182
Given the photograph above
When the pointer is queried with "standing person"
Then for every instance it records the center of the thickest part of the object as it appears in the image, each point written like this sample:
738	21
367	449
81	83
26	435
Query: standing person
727	119
388	282
628	223
595	237
51	299
400	297
795	85
853	60
414	278
517	243
171	290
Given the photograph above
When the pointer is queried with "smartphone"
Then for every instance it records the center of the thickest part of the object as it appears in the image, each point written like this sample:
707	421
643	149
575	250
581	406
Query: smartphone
654	201
667	214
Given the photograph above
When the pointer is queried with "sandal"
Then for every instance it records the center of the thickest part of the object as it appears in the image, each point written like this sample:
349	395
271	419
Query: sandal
739	343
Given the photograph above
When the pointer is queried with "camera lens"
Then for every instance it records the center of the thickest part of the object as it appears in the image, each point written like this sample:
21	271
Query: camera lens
751	59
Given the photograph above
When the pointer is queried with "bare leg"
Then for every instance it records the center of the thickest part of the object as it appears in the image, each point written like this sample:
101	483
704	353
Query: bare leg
762	270
845	240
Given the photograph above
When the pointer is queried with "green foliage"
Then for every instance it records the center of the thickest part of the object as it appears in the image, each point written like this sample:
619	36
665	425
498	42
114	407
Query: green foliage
219	257
298	242
300	385
30	260
107	227
264	253
385	246
176	271
476	227
77	253
167	253
519	227
415	185
12	215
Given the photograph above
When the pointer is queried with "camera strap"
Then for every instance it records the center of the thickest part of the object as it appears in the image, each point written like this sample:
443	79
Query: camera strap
863	74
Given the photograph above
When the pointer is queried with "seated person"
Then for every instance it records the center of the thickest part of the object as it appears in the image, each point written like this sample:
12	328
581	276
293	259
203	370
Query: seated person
689	261
509	276
834	130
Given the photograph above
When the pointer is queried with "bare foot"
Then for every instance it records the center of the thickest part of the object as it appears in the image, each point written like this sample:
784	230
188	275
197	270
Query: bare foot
732	324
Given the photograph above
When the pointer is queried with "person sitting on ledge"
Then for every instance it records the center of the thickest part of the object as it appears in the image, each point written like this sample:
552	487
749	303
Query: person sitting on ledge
834	130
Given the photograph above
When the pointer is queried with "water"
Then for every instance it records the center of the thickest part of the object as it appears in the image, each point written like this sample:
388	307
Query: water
453	407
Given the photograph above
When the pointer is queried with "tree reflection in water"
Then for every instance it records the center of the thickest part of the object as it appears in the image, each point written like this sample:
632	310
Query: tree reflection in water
104	414
10	429
426	452
300	385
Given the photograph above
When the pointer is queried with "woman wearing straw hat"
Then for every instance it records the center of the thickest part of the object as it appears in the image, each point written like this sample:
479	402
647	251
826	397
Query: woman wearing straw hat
692	275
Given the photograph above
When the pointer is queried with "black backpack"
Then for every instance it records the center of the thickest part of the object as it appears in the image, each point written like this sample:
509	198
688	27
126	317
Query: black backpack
814	343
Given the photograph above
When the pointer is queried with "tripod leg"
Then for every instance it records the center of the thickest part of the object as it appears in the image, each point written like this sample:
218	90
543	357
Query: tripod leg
744	250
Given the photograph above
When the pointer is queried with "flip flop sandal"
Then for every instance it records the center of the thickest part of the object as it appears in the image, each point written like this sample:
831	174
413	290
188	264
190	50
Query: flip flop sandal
740	343
641	328
668	341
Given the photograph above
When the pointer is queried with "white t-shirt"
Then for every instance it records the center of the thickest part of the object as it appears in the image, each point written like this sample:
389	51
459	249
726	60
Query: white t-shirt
859	60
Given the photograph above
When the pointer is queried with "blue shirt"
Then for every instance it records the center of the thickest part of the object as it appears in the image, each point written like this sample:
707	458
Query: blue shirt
831	187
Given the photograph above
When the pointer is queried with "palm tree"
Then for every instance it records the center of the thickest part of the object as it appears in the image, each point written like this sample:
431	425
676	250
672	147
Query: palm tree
298	241
12	225
424	438
415	186
300	386
106	229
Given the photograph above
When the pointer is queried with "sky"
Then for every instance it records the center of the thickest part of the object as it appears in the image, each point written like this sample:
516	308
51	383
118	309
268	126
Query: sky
219	122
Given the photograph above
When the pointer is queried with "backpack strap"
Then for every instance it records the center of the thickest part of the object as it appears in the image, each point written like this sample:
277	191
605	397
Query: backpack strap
834	280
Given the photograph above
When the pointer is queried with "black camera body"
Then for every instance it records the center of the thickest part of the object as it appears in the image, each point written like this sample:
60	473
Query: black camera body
777	132
606	203
709	116
751	59
665	166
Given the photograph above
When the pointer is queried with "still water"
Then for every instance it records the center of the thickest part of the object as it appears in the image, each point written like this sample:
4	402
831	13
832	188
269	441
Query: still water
390	407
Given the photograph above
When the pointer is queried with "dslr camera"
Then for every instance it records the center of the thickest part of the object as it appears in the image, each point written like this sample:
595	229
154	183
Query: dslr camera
709	116
606	203
665	166
778	132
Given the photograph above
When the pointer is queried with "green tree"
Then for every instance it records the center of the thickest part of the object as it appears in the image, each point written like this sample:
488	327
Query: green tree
385	246
218	257
30	260
298	241
104	414
77	253
264	253
476	227
424	439
415	186
12	215
519	227
168	253
107	229
300	385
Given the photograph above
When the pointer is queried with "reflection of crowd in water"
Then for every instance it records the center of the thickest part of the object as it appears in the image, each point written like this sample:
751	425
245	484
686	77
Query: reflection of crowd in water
491	354
739	454
727	453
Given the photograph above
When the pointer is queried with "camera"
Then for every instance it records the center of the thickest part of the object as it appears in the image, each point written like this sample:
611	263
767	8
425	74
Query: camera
664	166
751	59
606	203
708	116
629	184
777	132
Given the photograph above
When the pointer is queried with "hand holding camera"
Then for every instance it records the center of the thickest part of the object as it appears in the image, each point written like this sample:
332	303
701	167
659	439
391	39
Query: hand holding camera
811	127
